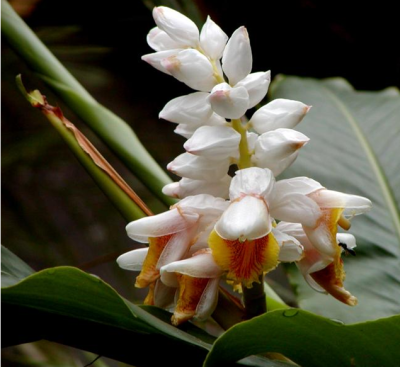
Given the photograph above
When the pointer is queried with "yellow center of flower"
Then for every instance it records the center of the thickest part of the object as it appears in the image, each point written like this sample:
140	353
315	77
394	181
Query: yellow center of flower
150	273
190	291
245	261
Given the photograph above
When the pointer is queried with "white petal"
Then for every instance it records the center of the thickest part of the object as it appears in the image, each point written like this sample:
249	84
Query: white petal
352	204
198	266
300	185
155	59
208	300
187	187
257	86
158	40
214	142
276	166
252	181
187	131
290	248
237	59
160	225
278	144
133	260
212	39
294	230
176	25
229	102
191	109
280	113
177	247
163	295
293	207
321	239
203	204
245	219
252	140
348	239
199	168
192	68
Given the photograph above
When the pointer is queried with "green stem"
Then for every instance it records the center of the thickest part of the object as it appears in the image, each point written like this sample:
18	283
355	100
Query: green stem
245	156
111	129
254	299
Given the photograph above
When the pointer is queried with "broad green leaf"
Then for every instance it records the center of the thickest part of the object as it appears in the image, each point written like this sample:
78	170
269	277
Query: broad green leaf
68	306
354	148
114	132
311	341
13	269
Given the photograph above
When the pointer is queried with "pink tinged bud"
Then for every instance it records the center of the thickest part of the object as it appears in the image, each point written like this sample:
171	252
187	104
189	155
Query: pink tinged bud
199	168
280	113
191	109
179	27
229	102
158	40
257	86
277	145
188	187
155	59
187	130
212	39
191	68
214	142
237	59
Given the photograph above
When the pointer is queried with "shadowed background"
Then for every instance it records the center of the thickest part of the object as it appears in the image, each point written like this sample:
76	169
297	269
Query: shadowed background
53	213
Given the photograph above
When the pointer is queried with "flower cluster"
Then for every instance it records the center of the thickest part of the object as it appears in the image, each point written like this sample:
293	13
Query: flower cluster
205	237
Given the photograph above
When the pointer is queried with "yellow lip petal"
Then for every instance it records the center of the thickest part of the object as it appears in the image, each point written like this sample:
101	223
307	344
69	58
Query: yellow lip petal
245	261
190	291
150	273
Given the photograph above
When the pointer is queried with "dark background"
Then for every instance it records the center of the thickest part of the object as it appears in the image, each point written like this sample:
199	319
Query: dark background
52	212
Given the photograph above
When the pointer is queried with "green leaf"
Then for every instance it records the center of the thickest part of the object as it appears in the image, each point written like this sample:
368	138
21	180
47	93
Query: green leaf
310	340
13	269
354	148
68	306
114	132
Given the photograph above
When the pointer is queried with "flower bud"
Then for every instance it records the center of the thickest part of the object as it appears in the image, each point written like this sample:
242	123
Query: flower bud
155	59
158	40
179	27
212	39
191	68
257	86
280	113
229	102
237	59
214	142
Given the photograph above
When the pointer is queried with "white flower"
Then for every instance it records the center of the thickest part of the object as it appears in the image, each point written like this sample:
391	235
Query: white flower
187	187
242	241
197	278
277	149
159	40
237	59
214	142
187	130
229	102
178	27
257	86
192	68
199	168
280	113
170	234
323	273
156	58
212	39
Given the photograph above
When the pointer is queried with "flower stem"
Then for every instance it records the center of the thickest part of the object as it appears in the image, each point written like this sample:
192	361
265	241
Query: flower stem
254	299
244	160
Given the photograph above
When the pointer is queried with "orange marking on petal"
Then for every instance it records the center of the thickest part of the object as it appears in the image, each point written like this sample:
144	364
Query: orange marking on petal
331	279
150	273
245	261
149	300
190	291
